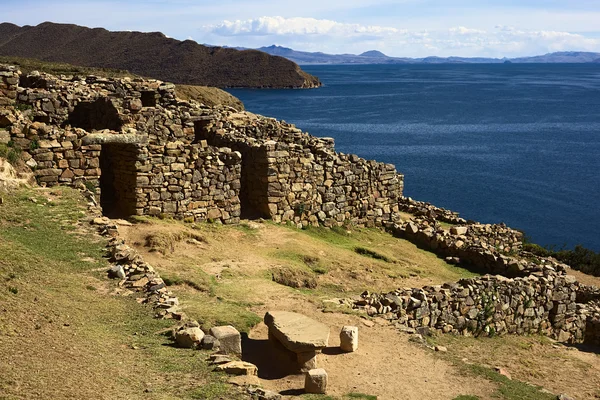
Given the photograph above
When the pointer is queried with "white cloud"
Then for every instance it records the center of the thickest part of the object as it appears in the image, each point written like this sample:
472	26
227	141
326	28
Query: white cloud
265	26
325	35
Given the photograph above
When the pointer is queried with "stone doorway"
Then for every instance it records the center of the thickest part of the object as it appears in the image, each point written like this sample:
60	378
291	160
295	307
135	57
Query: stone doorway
254	184
118	180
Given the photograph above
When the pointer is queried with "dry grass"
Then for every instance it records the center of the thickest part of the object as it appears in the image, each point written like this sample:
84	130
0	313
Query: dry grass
62	335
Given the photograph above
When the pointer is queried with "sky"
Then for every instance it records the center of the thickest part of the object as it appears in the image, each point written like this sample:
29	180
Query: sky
401	28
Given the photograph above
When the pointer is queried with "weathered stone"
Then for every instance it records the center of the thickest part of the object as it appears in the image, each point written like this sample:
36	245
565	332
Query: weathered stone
238	368
349	339
230	340
315	381
189	337
210	342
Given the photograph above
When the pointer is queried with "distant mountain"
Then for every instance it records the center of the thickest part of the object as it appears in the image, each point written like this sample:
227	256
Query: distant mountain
560	57
377	57
153	55
373	54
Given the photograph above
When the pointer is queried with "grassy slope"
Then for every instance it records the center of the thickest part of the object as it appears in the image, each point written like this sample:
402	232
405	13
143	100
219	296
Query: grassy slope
61	334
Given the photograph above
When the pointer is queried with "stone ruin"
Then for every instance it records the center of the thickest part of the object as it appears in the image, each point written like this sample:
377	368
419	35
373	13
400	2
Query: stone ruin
147	153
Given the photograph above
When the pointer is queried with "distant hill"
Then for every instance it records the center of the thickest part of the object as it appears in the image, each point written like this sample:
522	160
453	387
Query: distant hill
377	57
373	54
153	55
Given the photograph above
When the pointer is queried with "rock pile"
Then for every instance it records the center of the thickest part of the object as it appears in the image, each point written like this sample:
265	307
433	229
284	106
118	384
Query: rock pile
491	248
421	208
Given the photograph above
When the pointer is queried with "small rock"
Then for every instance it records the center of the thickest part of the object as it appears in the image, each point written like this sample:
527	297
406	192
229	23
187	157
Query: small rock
564	397
238	368
210	343
503	372
189	337
117	271
368	323
262	394
441	349
101	221
218	359
315	381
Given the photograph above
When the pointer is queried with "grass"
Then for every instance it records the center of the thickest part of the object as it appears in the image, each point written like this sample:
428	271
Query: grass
59	321
466	397
528	354
510	389
373	254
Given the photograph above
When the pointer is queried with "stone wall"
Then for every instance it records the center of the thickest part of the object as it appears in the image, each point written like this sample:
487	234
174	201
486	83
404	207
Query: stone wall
9	81
490	248
308	182
184	163
542	303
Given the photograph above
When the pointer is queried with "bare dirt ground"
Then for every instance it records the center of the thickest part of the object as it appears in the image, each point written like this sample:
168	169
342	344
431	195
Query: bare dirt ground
387	363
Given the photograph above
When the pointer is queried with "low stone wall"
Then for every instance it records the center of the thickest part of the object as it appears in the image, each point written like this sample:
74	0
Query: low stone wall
494	249
543	303
424	209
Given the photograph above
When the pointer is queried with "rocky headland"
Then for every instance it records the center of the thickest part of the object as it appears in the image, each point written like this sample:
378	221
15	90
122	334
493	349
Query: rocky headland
153	55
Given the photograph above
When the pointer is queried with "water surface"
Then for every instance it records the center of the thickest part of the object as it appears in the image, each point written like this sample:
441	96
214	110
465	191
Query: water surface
510	143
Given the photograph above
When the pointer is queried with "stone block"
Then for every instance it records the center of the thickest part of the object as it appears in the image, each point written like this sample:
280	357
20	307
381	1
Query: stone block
229	338
315	381
349	339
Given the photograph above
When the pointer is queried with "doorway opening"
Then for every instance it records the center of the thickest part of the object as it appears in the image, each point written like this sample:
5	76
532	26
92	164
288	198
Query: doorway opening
118	180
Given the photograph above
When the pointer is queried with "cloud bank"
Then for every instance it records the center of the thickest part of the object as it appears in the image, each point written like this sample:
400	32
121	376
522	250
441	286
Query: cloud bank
326	35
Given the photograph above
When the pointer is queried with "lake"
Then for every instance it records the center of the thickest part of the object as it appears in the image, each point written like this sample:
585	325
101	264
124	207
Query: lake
513	143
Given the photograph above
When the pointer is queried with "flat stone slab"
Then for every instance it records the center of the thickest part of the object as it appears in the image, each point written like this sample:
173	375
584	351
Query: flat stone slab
298	333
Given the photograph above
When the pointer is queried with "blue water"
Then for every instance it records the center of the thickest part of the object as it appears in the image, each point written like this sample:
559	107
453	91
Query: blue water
518	144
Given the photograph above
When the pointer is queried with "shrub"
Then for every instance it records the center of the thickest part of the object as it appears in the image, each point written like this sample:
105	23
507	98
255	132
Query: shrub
34	144
580	258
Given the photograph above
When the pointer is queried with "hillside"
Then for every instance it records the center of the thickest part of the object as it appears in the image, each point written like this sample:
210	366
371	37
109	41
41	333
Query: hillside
62	316
153	55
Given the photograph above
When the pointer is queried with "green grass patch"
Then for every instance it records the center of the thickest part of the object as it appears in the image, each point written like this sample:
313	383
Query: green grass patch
371	253
466	397
510	389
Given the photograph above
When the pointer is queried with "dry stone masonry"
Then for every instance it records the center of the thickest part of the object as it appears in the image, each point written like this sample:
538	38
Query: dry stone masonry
147	153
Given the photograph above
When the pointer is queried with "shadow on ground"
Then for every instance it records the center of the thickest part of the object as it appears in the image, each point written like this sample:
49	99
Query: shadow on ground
272	359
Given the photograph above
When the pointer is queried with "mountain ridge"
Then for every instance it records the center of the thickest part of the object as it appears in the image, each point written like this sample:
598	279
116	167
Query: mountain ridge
152	54
377	57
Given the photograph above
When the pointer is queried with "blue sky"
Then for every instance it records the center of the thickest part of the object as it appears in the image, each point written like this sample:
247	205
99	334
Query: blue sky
412	28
